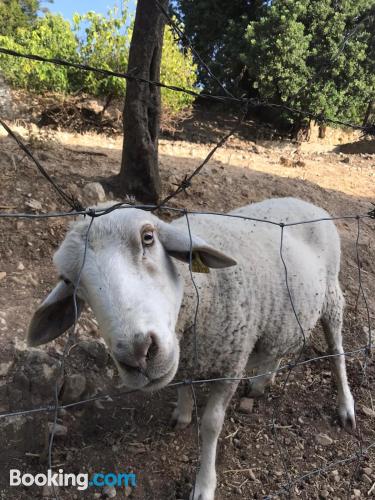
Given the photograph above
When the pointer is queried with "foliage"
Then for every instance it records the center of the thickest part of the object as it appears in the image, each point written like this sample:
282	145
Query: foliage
299	54
17	14
105	44
311	54
177	68
217	31
51	37
96	40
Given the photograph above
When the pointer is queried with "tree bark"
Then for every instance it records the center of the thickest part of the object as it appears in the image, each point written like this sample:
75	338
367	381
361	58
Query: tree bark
368	113
139	175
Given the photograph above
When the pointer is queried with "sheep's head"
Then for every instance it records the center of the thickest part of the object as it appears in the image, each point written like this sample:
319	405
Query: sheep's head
131	283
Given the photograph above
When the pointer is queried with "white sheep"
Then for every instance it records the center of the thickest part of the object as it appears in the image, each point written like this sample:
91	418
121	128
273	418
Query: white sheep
137	282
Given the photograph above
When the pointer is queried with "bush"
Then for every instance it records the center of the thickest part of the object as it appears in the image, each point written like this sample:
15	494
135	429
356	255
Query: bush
51	37
105	44
177	69
300	53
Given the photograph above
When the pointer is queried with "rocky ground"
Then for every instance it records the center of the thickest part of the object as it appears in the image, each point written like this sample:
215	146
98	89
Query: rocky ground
132	433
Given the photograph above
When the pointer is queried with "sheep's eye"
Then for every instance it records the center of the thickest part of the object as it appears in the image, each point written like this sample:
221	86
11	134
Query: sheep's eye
148	238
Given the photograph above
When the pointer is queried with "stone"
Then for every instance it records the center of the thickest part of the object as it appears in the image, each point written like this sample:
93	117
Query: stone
323	494
94	192
109	491
36	379
59	429
49	491
2	275
127	491
20	266
34	205
96	350
74	387
369	412
4	367
287	162
251	475
323	439
246	405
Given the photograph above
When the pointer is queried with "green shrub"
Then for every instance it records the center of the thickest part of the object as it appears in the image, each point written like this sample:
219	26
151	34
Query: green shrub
96	40
178	69
51	37
105	44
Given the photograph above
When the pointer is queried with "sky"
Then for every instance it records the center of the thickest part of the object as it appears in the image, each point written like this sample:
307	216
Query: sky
68	7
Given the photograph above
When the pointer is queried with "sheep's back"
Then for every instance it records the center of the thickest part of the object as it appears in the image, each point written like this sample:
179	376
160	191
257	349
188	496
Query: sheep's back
249	303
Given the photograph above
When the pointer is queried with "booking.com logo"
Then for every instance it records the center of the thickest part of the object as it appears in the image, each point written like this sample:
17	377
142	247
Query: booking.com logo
81	481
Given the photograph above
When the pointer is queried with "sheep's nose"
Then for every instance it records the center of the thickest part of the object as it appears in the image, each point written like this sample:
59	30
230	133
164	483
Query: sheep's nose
144	349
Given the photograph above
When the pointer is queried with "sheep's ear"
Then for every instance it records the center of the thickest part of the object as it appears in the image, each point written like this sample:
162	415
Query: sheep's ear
54	316
178	244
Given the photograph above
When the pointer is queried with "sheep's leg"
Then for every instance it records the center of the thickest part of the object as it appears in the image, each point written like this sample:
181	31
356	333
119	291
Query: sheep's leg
258	385
181	416
212	423
332	326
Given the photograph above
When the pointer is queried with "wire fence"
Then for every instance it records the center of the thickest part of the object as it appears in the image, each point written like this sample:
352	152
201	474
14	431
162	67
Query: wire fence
77	209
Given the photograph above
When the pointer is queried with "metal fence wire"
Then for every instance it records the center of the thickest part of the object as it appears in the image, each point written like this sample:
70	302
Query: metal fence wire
289	482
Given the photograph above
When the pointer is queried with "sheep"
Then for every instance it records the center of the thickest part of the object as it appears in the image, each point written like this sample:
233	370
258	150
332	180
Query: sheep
139	286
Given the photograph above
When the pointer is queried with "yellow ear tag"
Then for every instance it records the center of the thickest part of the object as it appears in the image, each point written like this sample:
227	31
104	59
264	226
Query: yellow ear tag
197	265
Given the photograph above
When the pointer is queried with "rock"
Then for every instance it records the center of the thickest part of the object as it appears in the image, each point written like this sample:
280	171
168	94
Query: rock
109	491
367	470
367	479
74	387
369	412
345	160
96	350
48	491
323	439
20	266
35	379
93	105
24	434
299	163
34	205
2	275
252	475
246	405
127	491
287	162
357	493
94	192
4	367
60	430
323	494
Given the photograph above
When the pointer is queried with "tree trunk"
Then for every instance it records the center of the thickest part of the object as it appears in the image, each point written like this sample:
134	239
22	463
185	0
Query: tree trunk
139	175
368	113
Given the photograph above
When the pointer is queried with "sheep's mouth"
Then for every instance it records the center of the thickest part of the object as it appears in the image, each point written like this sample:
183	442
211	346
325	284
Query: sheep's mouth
158	383
136	378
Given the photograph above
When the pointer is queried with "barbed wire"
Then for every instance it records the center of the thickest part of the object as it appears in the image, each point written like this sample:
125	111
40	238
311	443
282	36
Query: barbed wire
70	200
78	209
186	382
99	212
187	42
254	102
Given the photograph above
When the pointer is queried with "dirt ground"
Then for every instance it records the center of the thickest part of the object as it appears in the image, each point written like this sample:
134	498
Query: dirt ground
132	433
